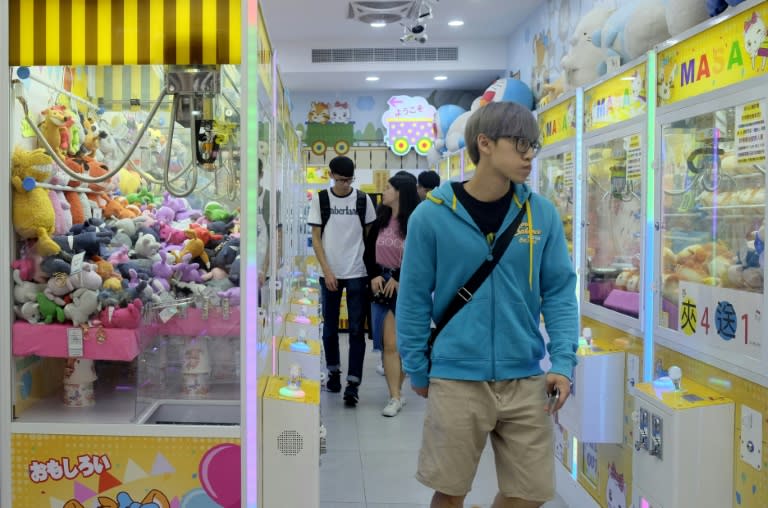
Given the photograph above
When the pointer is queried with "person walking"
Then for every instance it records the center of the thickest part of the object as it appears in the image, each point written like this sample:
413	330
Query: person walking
427	181
383	255
340	217
481	373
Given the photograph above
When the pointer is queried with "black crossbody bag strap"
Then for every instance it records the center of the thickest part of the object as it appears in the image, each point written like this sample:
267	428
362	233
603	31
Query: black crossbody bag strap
465	292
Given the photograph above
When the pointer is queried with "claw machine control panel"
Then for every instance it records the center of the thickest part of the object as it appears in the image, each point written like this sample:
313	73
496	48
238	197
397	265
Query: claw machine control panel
683	444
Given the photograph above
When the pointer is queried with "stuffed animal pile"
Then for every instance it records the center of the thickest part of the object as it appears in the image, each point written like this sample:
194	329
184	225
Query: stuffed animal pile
103	271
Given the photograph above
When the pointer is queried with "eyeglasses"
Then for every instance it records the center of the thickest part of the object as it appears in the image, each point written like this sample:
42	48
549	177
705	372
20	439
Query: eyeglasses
522	145
344	180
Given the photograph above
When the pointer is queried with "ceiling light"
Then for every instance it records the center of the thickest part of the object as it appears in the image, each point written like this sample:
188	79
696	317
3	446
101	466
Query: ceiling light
372	78
378	24
456	22
441	78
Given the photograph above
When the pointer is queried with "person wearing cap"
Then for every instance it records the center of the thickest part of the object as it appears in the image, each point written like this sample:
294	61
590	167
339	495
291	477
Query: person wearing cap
339	245
427	180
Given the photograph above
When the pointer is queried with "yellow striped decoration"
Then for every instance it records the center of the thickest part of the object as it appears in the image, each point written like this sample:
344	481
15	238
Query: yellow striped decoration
124	32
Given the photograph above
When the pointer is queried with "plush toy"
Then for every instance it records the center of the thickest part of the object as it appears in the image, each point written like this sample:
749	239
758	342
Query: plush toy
93	135
454	138
87	278
24	291
162	271
551	91
33	215
49	310
30	267
53	264
715	7
58	287
30	311
114	208
85	302
89	242
55	127
214	211
204	234
444	117
684	14
77	200
147	247
187	272
646	28
194	247
580	63
127	317
226	253
140	196
611	35
508	90
234	271
171	235
232	295
61	207
99	191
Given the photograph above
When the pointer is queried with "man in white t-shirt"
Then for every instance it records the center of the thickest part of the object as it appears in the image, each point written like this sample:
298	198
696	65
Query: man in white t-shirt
338	228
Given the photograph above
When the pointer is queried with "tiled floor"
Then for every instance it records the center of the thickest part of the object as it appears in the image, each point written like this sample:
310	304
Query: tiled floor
371	459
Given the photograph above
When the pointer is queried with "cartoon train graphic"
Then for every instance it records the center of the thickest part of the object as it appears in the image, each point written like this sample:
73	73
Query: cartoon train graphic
406	133
339	136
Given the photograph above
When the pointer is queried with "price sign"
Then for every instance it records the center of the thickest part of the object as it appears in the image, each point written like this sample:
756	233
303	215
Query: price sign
721	318
750	133
590	468
74	342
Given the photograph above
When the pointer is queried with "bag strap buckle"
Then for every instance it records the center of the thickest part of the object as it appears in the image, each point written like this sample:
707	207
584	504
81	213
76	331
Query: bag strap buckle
464	294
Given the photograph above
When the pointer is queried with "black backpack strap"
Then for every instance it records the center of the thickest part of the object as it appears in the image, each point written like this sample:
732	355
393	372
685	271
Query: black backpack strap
325	209
362	207
464	293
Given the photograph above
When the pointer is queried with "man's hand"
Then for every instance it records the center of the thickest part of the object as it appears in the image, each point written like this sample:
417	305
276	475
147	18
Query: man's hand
424	392
330	281
563	385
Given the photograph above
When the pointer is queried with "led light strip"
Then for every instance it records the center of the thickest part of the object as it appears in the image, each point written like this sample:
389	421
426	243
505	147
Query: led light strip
649	269
249	193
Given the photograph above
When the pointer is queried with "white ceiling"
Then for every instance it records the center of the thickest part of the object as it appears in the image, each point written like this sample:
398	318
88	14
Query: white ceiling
297	26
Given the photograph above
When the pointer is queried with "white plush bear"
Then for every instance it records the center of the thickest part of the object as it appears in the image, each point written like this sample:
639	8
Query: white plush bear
684	14
580	64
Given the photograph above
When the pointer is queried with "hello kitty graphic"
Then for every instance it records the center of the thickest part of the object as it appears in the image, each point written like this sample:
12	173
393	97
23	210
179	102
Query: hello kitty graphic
755	40
615	490
340	112
665	83
638	87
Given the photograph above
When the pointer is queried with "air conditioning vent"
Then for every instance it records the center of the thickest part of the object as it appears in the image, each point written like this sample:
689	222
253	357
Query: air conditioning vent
357	55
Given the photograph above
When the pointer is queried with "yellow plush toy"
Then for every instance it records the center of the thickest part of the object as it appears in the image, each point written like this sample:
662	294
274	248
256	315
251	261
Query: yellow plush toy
33	214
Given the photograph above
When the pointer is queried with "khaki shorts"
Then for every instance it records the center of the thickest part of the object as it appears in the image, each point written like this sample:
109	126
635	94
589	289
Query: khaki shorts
461	415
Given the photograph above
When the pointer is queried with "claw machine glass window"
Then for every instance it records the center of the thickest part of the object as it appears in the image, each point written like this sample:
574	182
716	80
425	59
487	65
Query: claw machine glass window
712	239
126	201
555	166
710	204
614	157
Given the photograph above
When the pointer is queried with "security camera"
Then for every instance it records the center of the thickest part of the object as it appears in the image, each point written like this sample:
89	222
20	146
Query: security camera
422	38
417	29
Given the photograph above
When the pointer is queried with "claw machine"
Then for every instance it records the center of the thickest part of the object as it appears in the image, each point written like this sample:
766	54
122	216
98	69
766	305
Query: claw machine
615	112
711	203
131	356
557	165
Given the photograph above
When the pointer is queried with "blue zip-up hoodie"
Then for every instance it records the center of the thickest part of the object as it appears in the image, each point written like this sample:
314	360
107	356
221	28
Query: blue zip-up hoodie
496	335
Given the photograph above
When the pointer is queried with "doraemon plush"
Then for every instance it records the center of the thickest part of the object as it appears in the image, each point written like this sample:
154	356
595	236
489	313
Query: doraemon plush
445	115
454	139
508	90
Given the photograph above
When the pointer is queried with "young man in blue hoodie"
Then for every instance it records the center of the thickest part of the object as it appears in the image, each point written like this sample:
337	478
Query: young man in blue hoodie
485	376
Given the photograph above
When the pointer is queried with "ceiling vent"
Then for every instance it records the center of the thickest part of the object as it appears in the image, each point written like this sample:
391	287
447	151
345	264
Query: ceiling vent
358	55
388	12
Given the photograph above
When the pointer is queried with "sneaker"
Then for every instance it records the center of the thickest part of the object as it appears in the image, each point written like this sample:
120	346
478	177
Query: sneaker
393	407
334	382
350	395
380	368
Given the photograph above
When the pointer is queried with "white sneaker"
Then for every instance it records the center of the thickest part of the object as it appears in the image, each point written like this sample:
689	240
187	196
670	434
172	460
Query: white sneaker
393	407
380	368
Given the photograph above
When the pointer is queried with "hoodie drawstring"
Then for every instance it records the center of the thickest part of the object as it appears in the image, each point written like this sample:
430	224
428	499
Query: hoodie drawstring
530	243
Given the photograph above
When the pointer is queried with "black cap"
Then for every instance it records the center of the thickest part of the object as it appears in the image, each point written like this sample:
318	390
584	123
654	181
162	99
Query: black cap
429	179
342	166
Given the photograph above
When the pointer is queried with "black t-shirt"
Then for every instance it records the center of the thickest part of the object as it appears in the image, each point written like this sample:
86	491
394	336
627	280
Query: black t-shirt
487	215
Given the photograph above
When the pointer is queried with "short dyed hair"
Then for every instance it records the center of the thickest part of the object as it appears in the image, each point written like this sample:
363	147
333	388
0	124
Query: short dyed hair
499	120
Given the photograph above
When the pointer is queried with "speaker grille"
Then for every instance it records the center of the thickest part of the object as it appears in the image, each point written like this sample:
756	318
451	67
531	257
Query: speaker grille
290	442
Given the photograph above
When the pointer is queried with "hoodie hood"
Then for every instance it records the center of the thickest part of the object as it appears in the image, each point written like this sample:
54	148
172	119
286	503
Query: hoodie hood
444	195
